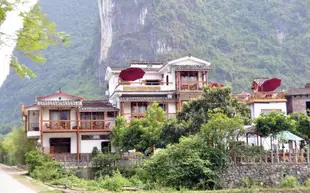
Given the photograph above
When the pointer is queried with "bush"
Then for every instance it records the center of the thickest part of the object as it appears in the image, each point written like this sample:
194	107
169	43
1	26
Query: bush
94	152
307	183
34	159
105	162
114	183
289	182
48	171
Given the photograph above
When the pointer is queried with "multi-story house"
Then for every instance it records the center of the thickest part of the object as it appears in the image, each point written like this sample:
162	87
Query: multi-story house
298	100
65	124
262	101
169	84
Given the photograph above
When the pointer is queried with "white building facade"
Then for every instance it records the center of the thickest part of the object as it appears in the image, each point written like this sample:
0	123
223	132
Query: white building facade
169	84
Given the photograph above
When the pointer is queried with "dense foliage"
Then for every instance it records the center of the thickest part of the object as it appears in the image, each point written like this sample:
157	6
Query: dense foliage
14	146
273	123
213	100
141	134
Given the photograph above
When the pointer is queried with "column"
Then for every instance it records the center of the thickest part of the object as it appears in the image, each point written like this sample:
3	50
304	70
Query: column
178	80
122	108
41	129
78	134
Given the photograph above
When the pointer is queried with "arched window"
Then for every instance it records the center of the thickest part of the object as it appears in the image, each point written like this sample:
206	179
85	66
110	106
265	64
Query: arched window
167	80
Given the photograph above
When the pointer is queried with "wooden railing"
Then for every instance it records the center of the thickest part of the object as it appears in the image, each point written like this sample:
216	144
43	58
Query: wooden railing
266	96
142	115
50	125
192	85
144	83
96	125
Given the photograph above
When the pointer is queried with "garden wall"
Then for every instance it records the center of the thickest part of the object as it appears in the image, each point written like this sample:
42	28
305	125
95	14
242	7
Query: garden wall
266	174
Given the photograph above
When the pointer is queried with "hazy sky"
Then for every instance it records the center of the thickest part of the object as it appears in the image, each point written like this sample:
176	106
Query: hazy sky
8	34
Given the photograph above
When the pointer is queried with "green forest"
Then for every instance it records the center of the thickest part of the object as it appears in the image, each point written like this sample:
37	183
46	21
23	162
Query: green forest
243	39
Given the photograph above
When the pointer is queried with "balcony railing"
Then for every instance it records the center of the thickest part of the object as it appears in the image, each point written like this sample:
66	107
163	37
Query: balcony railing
67	125
142	115
144	86
192	85
258	96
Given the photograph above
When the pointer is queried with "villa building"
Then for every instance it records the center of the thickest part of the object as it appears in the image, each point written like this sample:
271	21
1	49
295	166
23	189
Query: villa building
66	124
264	100
170	84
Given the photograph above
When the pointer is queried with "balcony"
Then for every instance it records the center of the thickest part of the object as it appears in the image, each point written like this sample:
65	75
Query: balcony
70	125
129	116
144	86
266	97
33	130
192	86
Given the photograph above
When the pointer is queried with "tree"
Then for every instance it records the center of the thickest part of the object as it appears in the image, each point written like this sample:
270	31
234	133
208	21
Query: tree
302	125
142	134
180	165
219	99
172	131
273	123
15	145
38	33
221	129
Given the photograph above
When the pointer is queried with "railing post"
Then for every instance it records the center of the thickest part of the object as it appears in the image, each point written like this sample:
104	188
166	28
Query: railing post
277	155
290	155
302	156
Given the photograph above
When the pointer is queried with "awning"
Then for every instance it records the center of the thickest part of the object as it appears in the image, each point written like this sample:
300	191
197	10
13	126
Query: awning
286	135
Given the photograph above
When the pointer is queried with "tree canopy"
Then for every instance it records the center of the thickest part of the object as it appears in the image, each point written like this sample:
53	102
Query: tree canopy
219	99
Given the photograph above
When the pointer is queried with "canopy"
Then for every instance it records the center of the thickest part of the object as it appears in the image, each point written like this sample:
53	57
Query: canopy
270	85
131	74
286	135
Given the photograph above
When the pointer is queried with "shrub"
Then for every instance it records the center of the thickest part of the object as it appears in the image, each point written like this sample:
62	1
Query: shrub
114	183
289	182
48	171
307	183
34	159
94	152
105	162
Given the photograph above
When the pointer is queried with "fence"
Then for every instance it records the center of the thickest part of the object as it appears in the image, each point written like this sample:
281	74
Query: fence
273	157
85	160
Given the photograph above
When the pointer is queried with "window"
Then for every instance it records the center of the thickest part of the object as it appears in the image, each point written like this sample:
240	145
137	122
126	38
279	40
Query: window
138	107
308	108
92	116
106	146
111	114
163	106
59	115
267	111
167	80
95	137
152	82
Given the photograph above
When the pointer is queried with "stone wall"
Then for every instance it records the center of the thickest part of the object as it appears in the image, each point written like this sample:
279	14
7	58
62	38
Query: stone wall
264	174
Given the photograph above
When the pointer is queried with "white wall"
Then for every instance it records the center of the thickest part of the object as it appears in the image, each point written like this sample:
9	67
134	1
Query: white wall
56	98
172	108
88	145
73	117
47	136
33	118
256	108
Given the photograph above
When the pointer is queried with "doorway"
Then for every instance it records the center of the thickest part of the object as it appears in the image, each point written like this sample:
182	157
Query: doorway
60	145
